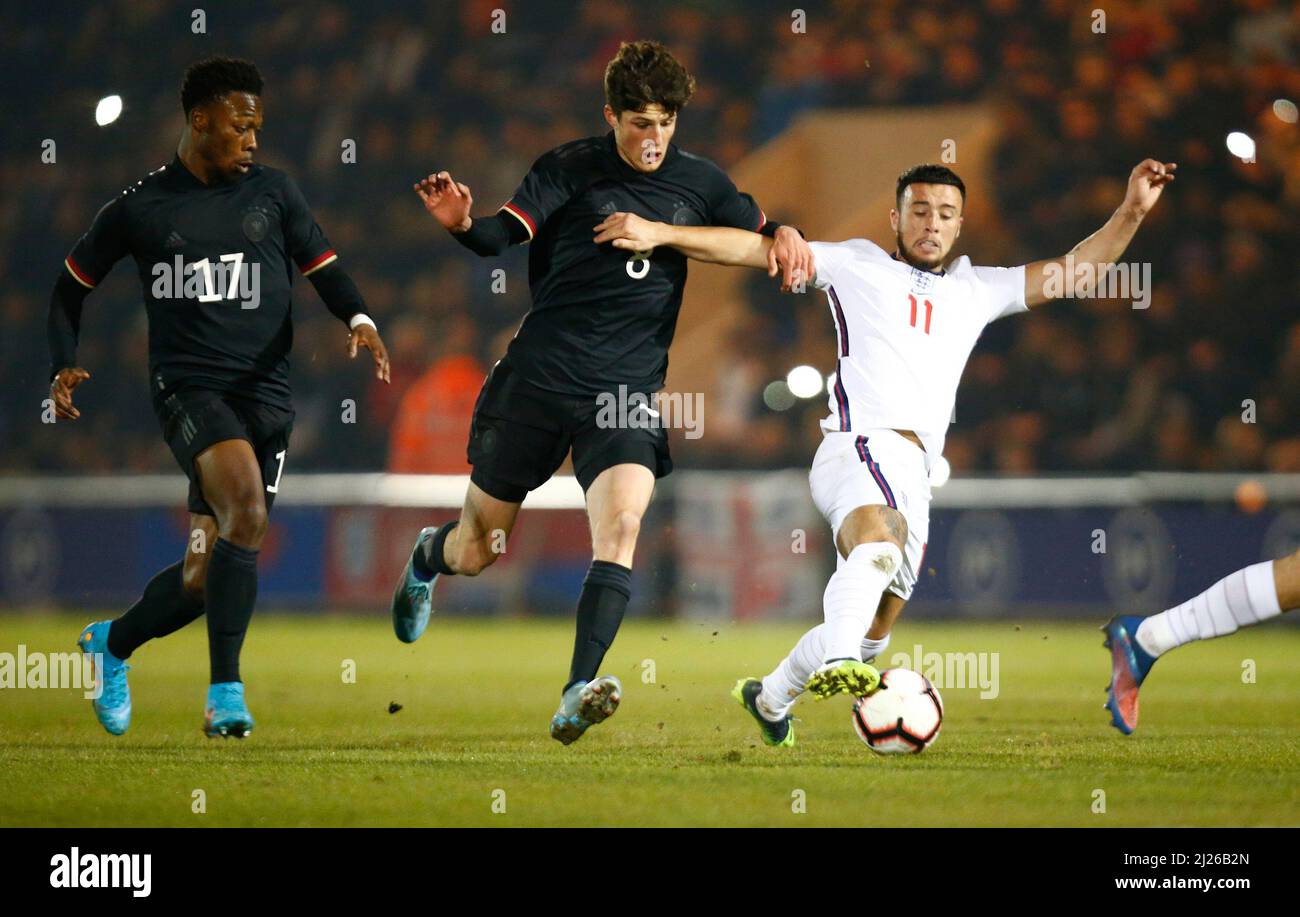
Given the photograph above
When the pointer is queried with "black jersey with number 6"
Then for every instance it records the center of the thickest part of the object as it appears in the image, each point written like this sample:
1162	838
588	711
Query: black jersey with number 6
604	316
217	264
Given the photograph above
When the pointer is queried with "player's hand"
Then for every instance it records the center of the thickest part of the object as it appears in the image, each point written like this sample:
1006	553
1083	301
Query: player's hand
629	231
447	200
368	337
1146	182
792	256
61	391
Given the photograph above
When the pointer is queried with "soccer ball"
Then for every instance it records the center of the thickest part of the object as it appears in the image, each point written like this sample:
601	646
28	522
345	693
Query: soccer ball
903	716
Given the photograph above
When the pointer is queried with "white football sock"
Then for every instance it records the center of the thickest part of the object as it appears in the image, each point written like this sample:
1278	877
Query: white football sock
873	648
1238	600
784	685
853	595
851	599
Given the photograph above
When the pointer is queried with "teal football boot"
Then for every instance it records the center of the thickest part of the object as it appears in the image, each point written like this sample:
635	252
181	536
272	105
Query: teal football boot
413	598
113	704
583	705
226	713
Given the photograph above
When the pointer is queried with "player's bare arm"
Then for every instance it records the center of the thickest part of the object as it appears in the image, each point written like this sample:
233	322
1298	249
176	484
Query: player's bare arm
1105	246
787	252
712	244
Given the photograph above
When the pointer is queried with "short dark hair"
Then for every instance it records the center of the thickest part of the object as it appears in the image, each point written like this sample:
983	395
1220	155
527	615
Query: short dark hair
928	174
646	73
213	77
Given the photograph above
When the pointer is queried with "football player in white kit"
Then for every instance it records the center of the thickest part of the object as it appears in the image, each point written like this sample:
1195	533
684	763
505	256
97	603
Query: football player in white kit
904	328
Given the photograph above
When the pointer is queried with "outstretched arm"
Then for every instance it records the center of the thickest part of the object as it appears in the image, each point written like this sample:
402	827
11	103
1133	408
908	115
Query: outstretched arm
1105	246
448	201
714	244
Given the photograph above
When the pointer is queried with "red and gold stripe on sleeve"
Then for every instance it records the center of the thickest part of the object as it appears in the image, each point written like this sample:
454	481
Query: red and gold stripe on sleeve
324	259
81	276
522	216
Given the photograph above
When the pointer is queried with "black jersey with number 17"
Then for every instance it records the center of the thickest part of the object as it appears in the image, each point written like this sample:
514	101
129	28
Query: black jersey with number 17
604	316
217	265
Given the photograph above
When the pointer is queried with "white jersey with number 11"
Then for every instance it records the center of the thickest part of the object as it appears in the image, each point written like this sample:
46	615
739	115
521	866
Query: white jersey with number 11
903	335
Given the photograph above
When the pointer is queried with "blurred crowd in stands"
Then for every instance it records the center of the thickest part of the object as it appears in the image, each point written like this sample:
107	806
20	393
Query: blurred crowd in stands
1208	377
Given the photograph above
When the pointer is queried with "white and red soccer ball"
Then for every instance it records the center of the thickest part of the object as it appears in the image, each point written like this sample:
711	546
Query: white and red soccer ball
902	717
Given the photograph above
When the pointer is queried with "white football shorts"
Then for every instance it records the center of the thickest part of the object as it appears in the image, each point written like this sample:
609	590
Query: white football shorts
876	468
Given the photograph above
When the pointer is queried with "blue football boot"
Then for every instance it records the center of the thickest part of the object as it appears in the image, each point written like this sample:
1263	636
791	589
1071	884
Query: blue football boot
1129	666
226	714
413	598
113	705
583	705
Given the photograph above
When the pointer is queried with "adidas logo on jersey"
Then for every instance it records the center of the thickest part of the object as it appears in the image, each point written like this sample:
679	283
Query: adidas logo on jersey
174	241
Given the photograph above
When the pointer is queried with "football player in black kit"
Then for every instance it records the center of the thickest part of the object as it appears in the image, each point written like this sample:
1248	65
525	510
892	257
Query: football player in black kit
600	325
216	240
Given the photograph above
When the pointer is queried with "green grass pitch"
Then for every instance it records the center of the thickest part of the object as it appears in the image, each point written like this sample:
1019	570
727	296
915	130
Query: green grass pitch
476	698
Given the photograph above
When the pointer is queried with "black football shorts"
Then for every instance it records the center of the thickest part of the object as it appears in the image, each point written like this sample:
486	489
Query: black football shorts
520	435
193	419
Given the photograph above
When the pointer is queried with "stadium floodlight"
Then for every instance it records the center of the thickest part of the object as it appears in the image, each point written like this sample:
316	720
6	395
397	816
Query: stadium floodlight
1286	110
108	109
804	382
940	471
1242	146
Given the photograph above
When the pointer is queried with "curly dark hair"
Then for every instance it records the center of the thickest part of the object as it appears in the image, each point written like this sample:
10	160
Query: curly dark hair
928	174
213	77
646	73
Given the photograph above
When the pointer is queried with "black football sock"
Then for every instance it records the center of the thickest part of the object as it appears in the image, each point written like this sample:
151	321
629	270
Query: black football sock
428	560
230	593
165	607
605	593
